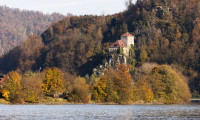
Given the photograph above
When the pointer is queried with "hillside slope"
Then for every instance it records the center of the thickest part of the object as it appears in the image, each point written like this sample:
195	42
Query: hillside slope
166	32
16	25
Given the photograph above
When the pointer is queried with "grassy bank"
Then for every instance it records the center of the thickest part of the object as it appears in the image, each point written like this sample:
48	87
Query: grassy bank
47	101
61	101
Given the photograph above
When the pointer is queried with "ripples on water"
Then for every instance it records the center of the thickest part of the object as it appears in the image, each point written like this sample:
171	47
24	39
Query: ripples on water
105	112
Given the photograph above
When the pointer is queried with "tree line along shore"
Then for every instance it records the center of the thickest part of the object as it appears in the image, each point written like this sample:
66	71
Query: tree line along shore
152	84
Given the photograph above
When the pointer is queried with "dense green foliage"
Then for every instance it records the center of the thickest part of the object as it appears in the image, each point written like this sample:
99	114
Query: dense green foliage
16	25
166	32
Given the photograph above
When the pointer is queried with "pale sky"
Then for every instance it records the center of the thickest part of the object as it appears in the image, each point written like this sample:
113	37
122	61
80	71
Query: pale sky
76	7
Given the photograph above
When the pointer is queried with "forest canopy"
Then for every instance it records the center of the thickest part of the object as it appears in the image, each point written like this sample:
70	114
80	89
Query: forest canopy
166	32
17	25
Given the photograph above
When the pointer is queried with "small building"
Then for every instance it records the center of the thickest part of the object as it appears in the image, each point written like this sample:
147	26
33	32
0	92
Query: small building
126	41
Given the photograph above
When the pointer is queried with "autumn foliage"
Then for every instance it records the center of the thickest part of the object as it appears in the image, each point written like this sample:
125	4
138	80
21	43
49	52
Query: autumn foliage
152	83
114	86
79	92
166	32
53	83
169	85
32	87
163	85
12	87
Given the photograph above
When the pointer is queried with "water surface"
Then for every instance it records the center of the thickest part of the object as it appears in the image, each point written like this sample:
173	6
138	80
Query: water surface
98	112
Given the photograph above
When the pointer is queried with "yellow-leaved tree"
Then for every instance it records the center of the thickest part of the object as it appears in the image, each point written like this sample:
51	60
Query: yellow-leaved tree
5	94
12	86
169	85
116	85
53	83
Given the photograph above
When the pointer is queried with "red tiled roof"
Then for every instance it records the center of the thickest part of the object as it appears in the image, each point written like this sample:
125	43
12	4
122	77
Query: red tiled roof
127	34
118	43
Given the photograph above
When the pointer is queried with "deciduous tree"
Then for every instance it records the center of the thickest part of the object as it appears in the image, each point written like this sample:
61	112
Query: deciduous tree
12	85
53	83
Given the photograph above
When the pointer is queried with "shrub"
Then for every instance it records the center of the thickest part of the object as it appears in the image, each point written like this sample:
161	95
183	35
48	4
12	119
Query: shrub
80	91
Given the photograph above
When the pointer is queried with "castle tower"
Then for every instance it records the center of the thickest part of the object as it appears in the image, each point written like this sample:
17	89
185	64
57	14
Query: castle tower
128	39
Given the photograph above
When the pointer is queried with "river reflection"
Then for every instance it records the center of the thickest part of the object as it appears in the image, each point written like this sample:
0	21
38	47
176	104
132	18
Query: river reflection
98	112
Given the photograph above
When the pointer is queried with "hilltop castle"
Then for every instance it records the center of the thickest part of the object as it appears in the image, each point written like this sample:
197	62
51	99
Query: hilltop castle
126	41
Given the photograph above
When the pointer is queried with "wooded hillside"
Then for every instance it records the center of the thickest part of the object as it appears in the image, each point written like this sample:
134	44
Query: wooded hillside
166	32
16	25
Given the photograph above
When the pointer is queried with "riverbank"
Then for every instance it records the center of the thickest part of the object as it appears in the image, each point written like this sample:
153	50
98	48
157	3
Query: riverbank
61	101
47	101
3	101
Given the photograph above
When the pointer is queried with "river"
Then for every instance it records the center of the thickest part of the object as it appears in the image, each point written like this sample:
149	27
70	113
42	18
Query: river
99	112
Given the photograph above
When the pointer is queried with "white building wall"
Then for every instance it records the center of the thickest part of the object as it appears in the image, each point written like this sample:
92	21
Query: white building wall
128	41
124	39
126	51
